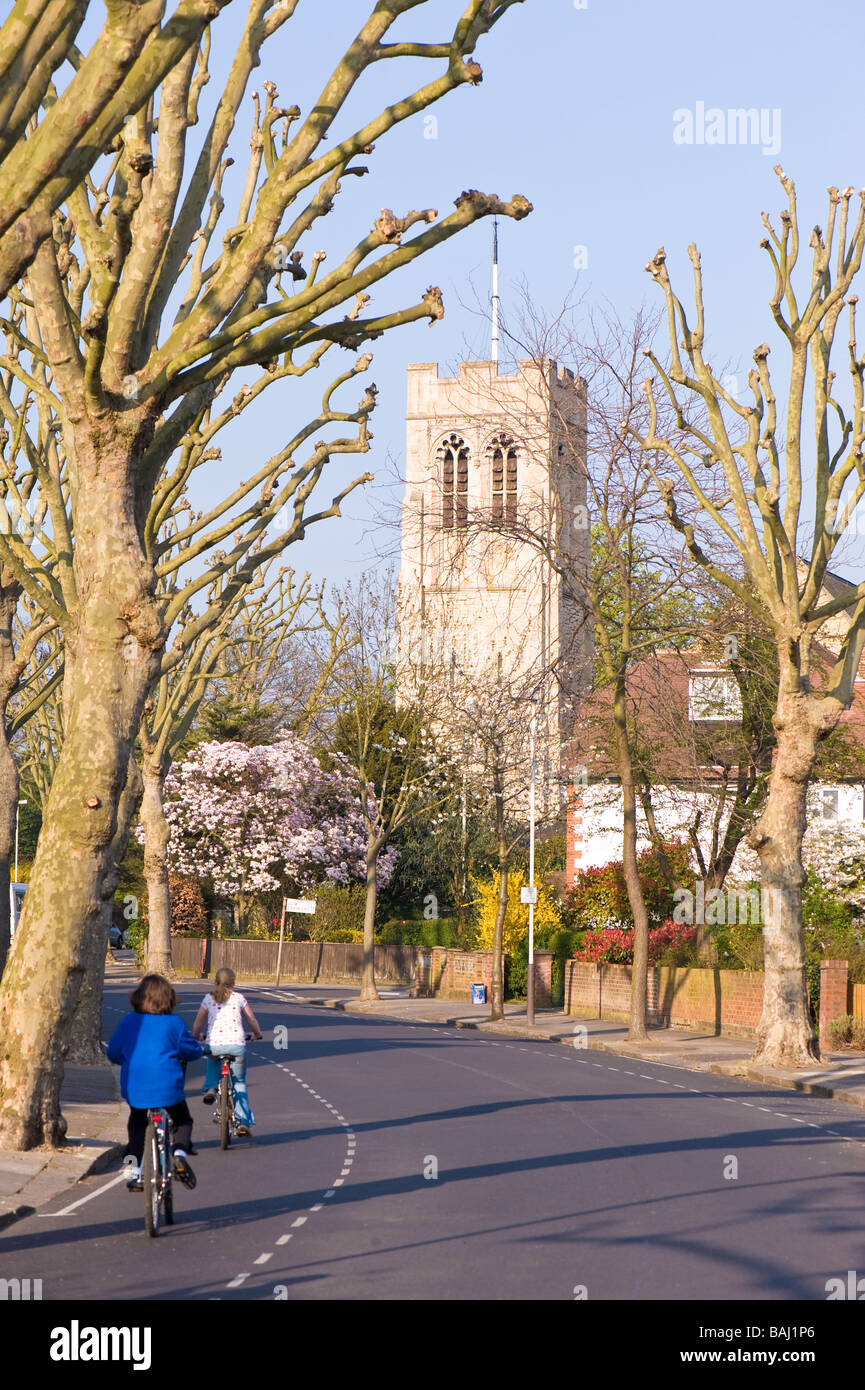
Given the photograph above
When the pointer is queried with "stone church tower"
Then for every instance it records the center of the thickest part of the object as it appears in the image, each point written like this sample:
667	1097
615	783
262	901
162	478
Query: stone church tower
492	458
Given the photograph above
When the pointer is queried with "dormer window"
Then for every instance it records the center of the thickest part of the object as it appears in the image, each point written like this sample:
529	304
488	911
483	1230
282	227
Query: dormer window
503	480
454	466
714	696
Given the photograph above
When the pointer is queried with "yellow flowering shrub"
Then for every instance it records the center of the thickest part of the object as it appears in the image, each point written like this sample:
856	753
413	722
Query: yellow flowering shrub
547	913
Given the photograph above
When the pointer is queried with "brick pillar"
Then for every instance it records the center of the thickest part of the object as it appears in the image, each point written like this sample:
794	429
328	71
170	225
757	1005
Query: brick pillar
543	979
833	995
422	985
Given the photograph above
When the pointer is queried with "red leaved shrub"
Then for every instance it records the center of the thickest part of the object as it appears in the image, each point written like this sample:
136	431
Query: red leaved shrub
670	944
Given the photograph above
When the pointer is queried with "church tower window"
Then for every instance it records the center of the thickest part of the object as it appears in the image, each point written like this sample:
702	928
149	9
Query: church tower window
454	457
503	480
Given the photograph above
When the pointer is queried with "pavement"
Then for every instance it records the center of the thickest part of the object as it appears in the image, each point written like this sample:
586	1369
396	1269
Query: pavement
96	1116
96	1133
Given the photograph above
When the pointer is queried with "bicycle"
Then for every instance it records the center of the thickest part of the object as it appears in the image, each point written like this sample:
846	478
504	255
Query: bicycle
157	1171
225	1114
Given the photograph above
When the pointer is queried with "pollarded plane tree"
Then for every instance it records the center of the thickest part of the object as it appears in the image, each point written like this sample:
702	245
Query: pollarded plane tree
129	387
60	109
791	478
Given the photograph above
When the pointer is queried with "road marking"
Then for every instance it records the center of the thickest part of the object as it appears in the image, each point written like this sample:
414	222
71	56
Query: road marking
317	1207
331	1192
263	1259
121	1177
299	1222
338	1182
282	1239
237	1281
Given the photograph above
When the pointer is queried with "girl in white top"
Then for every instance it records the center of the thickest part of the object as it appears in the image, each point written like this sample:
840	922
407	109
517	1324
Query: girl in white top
221	1022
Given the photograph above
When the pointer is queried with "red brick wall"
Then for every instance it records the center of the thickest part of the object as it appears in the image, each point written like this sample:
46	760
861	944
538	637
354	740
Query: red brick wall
454	972
725	1001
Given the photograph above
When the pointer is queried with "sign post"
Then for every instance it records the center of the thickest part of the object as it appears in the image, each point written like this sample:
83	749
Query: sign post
291	905
281	939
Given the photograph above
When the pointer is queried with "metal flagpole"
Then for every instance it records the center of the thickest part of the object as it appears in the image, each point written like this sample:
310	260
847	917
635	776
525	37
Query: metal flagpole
495	303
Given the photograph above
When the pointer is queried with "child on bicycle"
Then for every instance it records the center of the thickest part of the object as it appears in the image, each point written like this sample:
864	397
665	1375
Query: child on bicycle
221	1021
150	1045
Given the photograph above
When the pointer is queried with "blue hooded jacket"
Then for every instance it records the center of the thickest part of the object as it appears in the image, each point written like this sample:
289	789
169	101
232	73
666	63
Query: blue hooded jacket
149	1049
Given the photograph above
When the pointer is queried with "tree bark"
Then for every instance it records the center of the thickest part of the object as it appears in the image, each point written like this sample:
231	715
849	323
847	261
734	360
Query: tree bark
367	984
786	1037
112	648
85	1042
638	1028
156	837
497	1003
9	788
9	782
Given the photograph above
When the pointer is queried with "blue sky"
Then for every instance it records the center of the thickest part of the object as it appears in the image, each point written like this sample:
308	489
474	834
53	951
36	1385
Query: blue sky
576	111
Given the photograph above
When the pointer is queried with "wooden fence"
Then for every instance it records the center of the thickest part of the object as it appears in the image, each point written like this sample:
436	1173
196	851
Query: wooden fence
323	962
857	1000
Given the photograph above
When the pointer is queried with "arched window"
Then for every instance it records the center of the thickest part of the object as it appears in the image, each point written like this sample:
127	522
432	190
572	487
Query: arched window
503	479
454	461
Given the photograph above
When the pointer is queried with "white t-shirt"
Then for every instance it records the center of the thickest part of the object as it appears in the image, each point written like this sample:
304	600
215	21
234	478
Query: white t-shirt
224	1022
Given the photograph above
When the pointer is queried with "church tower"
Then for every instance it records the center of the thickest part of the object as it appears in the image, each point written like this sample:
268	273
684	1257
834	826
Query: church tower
495	477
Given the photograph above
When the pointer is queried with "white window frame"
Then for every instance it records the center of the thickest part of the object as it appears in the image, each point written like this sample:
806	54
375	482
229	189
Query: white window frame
731	706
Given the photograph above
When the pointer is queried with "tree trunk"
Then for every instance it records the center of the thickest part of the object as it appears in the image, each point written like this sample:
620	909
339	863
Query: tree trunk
367	984
85	1042
9	788
9	782
637	1030
785	1037
156	837
112	651
497	1003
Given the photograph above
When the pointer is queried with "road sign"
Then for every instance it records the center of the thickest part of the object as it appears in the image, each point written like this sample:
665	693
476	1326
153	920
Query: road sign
300	905
529	894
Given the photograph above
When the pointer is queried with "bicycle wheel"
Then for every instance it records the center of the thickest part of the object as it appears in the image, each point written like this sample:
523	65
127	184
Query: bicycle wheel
224	1112
151	1179
168	1203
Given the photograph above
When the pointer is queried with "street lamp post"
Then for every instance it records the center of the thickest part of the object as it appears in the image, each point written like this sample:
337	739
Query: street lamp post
530	985
17	818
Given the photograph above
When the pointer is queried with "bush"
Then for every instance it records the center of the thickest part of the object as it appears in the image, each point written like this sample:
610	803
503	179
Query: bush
136	939
188	911
338	908
599	897
548	915
848	1031
437	931
672	943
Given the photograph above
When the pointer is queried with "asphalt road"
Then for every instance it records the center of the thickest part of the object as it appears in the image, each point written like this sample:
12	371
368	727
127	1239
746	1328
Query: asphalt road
393	1160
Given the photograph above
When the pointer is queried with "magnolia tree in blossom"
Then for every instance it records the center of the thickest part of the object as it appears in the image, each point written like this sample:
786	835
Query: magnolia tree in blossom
263	819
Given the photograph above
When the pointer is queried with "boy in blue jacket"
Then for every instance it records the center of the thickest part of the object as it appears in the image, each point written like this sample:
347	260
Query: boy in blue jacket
150	1045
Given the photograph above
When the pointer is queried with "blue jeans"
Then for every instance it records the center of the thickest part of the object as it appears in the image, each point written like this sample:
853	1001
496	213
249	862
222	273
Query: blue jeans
213	1071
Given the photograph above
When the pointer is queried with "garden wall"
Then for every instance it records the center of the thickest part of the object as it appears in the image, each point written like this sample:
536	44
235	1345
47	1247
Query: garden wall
449	974
314	962
721	1001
